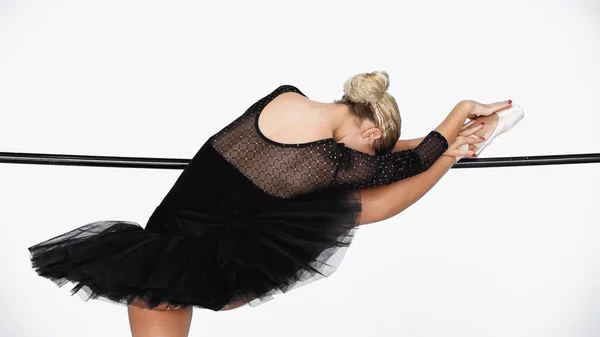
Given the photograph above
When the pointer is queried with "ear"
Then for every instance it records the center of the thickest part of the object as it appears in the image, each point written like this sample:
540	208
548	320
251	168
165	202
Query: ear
372	134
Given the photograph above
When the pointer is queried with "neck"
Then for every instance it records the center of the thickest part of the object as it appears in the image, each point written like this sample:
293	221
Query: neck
339	119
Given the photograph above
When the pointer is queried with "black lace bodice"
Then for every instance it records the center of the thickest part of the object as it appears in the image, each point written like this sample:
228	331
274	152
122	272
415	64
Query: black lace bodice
288	170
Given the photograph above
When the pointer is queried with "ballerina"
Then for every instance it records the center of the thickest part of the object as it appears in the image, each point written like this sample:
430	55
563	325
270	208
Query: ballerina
266	203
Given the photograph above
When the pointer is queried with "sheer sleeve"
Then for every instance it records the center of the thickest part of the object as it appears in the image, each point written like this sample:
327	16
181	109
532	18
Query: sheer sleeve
357	169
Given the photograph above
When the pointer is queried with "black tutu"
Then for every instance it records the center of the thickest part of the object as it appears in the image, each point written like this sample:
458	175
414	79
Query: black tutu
246	219
216	239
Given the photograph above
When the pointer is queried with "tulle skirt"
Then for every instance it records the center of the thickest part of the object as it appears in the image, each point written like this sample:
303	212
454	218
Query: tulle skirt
189	258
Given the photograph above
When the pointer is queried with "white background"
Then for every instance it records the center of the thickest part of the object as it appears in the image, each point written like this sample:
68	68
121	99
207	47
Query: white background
488	252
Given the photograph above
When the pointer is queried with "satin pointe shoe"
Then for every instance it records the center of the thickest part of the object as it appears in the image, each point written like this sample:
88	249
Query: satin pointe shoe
507	119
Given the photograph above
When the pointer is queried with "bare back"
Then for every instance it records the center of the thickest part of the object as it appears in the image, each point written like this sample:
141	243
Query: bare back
291	118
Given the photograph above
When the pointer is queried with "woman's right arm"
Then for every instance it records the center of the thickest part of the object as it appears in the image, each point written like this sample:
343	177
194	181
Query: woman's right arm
385	201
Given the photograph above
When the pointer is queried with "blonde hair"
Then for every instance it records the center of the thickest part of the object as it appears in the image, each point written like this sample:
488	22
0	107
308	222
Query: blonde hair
367	96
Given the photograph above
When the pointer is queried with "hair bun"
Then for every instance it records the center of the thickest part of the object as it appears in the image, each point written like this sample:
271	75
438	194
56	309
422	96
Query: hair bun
367	87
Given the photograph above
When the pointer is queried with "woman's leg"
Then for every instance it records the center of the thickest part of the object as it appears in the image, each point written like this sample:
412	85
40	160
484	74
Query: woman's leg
234	305
159	323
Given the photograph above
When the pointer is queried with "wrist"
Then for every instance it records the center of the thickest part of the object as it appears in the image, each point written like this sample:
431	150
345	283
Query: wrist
447	162
466	107
454	158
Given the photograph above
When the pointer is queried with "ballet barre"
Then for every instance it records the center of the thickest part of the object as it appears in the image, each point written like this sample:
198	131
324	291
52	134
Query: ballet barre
180	164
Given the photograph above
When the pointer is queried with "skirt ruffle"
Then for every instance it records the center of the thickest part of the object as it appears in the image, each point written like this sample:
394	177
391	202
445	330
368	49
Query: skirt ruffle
186	258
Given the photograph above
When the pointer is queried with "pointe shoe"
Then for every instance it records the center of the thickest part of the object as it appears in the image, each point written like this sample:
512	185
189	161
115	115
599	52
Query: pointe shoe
507	119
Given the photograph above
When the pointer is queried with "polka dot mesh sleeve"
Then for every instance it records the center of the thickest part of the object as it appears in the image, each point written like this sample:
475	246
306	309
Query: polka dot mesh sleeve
357	169
288	170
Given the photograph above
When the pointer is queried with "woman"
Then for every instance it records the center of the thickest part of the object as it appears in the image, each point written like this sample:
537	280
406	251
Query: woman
265	203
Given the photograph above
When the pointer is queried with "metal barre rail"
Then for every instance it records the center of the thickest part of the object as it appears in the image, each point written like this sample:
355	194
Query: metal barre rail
180	164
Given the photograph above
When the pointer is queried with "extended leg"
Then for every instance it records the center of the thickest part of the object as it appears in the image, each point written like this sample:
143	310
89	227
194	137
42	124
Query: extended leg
234	305
497	124
159	323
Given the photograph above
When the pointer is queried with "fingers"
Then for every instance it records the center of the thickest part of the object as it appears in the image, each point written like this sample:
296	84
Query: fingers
467	125
495	107
460	153
460	140
472	140
454	149
472	130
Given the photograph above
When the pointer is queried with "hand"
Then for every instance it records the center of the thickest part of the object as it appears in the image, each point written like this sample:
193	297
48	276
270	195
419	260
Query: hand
464	137
488	109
